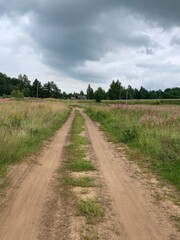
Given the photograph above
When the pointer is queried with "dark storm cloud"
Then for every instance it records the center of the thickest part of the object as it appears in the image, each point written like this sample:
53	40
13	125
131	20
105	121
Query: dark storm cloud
70	11
163	11
69	33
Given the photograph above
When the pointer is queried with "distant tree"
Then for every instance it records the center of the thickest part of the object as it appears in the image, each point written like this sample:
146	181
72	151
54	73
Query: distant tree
153	94
56	92
81	93
36	89
97	97
5	86
51	90
159	94
99	94
130	92
143	93
136	93
90	92
64	95
171	93
24	85
115	90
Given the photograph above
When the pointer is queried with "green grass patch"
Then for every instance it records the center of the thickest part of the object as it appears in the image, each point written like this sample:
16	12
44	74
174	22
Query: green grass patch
91	210
79	181
4	183
80	165
75	152
151	131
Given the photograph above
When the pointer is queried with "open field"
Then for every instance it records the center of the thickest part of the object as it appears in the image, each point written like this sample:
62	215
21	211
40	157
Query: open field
24	125
136	101
83	186
153	131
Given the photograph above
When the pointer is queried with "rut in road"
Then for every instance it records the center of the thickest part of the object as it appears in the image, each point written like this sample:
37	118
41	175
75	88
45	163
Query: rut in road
128	199
20	218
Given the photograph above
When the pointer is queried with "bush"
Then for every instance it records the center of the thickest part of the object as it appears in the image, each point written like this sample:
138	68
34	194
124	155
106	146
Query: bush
129	134
98	98
17	94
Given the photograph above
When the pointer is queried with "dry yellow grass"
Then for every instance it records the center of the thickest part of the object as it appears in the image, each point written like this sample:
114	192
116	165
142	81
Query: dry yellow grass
24	125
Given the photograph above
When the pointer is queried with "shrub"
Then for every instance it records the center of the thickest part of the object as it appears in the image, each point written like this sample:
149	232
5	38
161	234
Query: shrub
129	134
17	94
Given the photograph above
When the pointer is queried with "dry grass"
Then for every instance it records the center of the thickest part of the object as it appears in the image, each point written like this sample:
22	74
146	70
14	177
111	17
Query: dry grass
24	125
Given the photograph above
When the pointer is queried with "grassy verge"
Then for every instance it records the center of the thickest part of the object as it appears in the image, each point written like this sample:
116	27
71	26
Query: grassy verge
152	134
76	162
25	125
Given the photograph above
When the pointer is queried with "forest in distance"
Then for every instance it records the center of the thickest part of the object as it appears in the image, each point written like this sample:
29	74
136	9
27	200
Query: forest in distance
22	87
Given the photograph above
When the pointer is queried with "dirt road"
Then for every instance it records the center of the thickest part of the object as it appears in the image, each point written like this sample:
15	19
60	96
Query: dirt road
19	219
138	217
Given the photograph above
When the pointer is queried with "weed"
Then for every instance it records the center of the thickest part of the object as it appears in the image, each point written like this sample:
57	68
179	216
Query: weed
79	182
129	134
91	210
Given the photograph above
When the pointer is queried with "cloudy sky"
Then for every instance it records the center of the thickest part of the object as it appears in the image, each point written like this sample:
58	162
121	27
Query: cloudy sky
77	42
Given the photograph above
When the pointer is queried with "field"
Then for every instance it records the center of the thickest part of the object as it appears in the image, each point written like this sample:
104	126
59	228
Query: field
137	101
81	184
24	125
154	131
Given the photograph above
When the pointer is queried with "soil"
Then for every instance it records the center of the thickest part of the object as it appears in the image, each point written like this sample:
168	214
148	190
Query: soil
32	208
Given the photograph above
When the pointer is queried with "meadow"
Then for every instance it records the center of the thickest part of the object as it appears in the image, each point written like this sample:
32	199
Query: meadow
135	101
152	134
24	125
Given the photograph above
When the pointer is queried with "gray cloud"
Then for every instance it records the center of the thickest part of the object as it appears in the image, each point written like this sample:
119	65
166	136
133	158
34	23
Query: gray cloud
73	11
175	41
160	67
70	33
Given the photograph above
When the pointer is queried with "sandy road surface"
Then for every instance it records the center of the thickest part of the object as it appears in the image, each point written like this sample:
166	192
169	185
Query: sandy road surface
128	199
19	219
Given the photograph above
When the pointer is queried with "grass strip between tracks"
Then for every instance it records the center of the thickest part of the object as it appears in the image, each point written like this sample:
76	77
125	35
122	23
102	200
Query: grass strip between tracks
76	163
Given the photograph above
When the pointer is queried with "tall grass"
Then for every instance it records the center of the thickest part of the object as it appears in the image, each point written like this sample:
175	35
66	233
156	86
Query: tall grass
24	126
153	131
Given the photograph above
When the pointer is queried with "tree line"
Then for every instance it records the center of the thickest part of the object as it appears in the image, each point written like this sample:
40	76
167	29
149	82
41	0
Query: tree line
22	87
117	91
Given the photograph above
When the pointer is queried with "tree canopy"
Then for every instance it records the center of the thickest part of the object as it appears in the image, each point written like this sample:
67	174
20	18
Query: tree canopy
22	86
